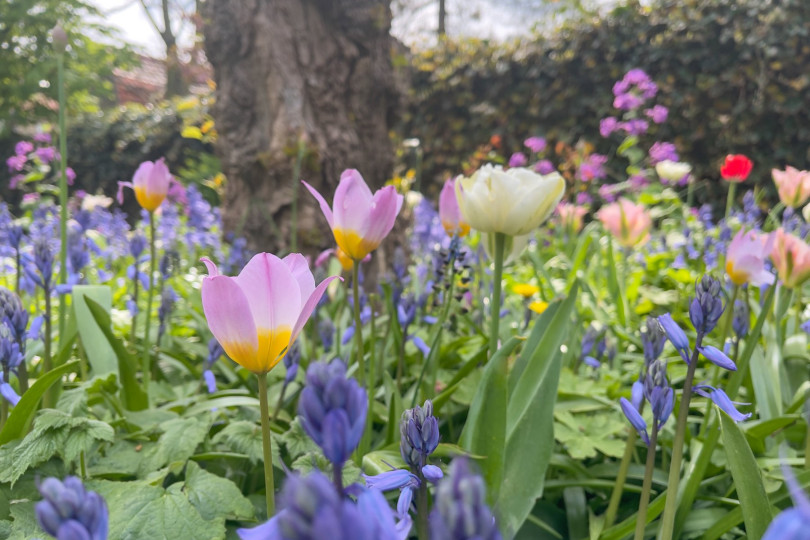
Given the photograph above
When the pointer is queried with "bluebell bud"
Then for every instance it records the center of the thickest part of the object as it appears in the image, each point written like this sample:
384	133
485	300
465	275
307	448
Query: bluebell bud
136	245
653	339
326	332
460	511
14	235
13	313
291	360
10	354
419	434
635	419
589	341
741	322
707	306
721	399
717	357
793	523
69	512
167	299
41	269
675	335
333	410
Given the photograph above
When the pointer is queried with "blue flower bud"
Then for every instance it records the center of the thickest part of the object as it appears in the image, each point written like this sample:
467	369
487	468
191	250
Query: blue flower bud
721	399
419	434
742	319
793	523
653	339
717	357
460	511
675	335
707	306
636	420
69	512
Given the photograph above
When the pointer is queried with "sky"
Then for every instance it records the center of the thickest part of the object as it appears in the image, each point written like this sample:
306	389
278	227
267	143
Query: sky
128	17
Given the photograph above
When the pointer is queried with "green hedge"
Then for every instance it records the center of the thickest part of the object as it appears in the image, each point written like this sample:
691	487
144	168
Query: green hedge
732	72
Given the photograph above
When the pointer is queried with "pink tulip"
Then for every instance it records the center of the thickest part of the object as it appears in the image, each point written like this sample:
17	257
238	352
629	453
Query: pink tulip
449	212
745	259
793	186
628	222
257	315
570	215
791	257
150	183
359	219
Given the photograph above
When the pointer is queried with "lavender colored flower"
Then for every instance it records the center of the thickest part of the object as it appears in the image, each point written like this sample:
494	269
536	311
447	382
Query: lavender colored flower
40	269
717	357
42	137
635	126
592	168
419	434
675	335
544	166
653	339
518	159
793	523
46	154
657	114
69	512
721	399
628	101
608	125
333	410
460	511
584	198
663	151
535	144
13	314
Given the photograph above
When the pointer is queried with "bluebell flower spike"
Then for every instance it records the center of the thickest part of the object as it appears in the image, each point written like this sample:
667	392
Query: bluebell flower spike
635	419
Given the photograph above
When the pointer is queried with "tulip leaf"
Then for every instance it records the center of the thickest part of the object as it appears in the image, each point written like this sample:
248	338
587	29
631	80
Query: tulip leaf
615	285
22	414
100	354
530	418
132	392
747	479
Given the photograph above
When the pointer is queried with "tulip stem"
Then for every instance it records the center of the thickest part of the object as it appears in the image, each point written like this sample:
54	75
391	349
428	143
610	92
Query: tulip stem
269	486
495	307
641	517
358	329
668	521
135	301
145	359
732	191
621	478
49	398
63	191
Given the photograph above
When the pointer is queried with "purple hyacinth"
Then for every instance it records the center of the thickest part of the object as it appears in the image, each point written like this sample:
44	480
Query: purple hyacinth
535	144
544	166
608	125
69	512
460	511
657	114
333	410
518	159
663	151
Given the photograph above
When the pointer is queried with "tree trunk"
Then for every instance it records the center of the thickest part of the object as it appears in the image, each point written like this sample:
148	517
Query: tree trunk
289	70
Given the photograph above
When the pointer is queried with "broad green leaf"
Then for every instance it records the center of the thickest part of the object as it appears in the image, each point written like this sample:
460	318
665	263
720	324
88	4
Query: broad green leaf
139	510
576	512
132	392
22	414
100	354
530	422
766	384
747	479
180	438
214	496
615	285
625	528
380	461
246	438
221	403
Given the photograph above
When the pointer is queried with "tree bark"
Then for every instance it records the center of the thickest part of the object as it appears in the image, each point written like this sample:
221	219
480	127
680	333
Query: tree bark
289	69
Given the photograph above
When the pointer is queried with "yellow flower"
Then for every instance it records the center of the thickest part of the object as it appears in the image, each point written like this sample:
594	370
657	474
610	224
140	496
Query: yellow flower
538	306
525	289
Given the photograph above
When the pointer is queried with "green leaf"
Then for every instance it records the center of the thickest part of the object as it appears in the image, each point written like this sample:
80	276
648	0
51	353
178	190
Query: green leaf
139	510
214	496
747	479
530	422
180	438
615	286
74	401
576	512
222	403
98	350
132	393
244	437
22	414
295	439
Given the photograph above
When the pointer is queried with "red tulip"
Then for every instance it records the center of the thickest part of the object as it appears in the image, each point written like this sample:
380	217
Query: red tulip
736	168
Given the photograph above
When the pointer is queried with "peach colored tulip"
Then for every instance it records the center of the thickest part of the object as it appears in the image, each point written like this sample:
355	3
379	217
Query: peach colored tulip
570	215
791	257
359	219
257	315
793	186
628	222
745	259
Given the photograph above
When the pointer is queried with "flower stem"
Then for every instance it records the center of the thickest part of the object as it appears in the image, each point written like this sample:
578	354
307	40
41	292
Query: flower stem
337	477
145	360
732	190
48	399
422	509
495	306
135	302
63	191
270	491
621	477
641	517
358	329
668	521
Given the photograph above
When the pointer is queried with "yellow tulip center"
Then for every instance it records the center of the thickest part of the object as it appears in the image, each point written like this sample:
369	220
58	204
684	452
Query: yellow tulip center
353	244
148	201
272	347
736	277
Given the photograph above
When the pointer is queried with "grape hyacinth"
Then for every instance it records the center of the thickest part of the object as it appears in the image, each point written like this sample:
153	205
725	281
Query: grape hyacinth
69	512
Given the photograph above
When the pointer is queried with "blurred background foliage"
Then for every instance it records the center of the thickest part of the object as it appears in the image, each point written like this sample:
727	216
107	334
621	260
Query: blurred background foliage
732	72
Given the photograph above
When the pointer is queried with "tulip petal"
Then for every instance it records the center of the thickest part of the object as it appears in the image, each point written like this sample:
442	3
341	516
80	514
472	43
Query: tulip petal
273	293
352	204
209	264
385	207
310	305
327	211
299	269
229	317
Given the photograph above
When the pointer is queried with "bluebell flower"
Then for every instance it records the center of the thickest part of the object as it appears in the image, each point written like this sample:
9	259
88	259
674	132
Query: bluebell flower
653	339
215	352
333	410
167	300
40	267
721	399
13	313
707	306
69	512
460	511
717	357
635	419
313	509
326	333
419	434
675	335
742	319
592	362
793	523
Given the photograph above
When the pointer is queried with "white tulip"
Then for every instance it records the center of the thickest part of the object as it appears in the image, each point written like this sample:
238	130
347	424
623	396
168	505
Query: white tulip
806	213
513	202
672	170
